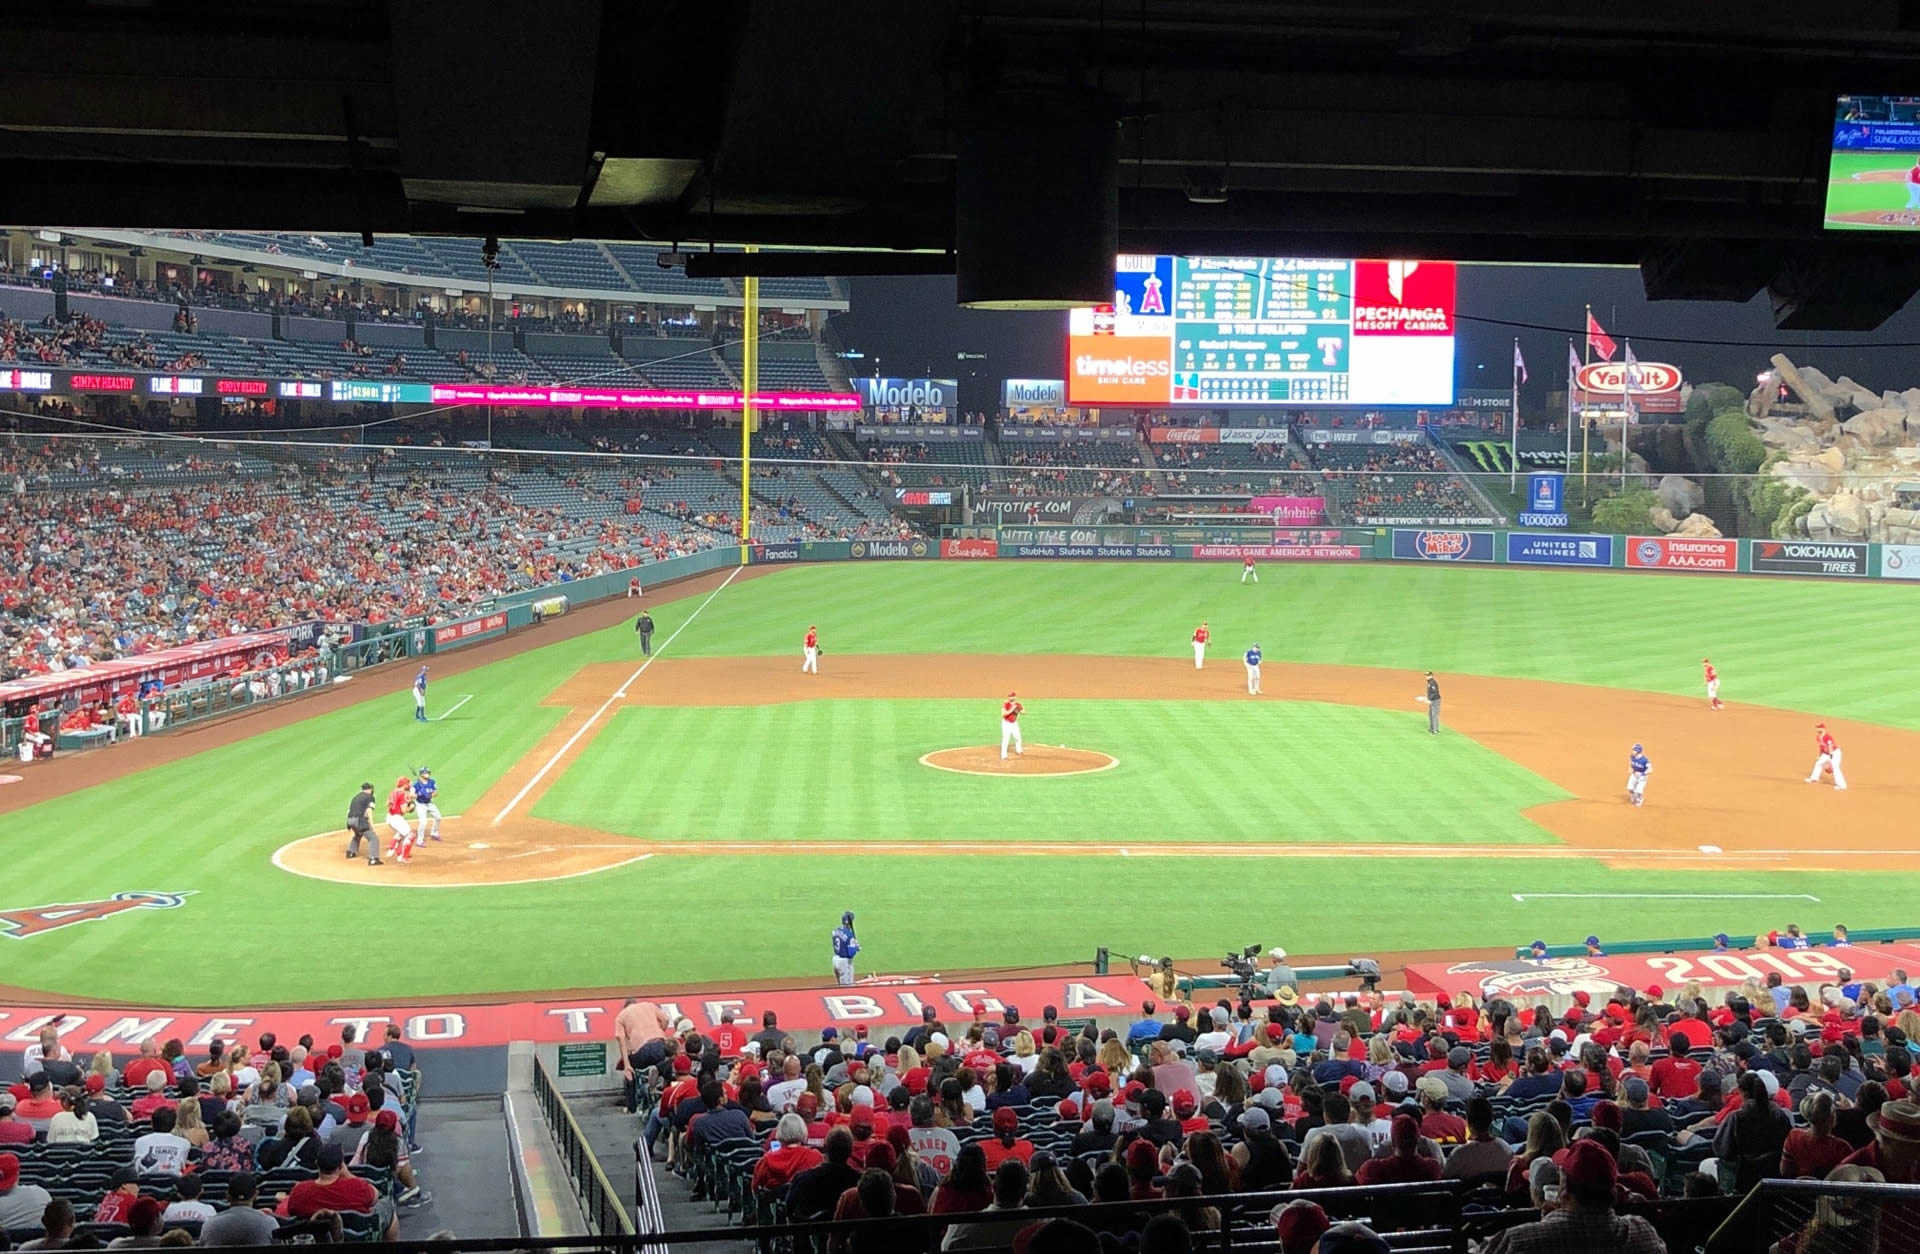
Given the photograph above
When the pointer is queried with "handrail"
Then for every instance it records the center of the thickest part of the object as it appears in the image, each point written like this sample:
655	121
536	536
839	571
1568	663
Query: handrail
1679	944
596	1193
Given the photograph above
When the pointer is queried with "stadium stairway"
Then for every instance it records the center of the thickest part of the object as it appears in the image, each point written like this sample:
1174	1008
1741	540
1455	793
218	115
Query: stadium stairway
611	1132
468	1169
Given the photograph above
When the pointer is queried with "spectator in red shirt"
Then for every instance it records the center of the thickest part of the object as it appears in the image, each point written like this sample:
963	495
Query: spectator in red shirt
149	1061
1814	1150
122	1190
1675	1076
1007	1141
777	1167
1404	1164
12	1131
335	1189
1435	1122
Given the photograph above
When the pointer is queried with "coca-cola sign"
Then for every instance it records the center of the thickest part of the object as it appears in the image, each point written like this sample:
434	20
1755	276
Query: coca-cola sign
1611	376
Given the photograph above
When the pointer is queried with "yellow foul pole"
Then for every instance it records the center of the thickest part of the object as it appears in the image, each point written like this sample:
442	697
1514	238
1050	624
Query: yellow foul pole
749	384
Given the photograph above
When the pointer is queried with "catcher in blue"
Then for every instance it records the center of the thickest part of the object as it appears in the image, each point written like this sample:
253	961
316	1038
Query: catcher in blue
1637	768
424	789
420	696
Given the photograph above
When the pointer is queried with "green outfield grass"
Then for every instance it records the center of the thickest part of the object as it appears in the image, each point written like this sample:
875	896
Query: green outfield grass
211	823
1846	196
823	769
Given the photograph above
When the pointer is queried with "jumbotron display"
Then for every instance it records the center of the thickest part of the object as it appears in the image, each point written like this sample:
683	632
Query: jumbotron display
1222	331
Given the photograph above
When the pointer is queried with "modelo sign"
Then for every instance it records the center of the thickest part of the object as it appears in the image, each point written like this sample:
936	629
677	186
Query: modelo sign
1022	392
901	393
1649	377
890	548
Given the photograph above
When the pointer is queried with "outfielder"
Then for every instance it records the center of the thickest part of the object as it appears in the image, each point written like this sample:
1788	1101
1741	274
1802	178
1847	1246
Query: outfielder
420	696
424	790
1253	671
1829	758
845	946
398	802
1200	637
1010	728
811	648
1713	684
1637	768
360	826
1247	571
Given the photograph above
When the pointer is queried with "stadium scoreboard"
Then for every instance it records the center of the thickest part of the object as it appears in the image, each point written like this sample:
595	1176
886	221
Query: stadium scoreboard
1267	331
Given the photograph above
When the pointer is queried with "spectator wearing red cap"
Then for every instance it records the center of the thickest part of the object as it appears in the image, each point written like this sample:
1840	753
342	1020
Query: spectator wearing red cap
21	1205
1186	1109
1585	1222
1006	1141
1403	1163
1298	1226
1181	1029
1142	1161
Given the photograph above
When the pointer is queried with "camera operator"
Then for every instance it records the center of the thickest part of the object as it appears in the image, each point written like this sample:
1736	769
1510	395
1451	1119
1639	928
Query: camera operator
1162	981
1279	975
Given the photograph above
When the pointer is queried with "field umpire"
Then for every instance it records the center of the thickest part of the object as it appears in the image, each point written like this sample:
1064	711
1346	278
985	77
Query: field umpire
360	826
1433	705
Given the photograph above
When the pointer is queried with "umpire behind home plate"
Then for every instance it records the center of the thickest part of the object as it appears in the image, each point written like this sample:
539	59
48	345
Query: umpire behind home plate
359	825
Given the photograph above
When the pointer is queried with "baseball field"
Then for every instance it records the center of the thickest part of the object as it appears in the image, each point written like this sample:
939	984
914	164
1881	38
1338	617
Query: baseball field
708	815
1868	191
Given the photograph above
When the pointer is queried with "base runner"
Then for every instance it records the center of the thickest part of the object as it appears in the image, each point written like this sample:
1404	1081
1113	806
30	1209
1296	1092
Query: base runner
398	802
1253	671
1829	759
1713	684
1247	571
1010	727
1200	637
1638	767
810	649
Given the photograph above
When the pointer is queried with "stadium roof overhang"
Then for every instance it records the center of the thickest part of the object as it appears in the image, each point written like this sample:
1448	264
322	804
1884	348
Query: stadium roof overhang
1690	138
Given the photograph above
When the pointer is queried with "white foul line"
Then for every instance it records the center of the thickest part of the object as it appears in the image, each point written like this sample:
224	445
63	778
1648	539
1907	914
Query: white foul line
450	709
1667	896
619	694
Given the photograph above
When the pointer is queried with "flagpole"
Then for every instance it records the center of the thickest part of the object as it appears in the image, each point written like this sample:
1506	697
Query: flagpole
1586	434
1626	416
1573	376
1513	433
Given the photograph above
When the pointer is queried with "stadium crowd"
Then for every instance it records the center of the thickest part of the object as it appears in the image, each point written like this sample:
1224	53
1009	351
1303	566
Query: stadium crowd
242	1145
1581	1127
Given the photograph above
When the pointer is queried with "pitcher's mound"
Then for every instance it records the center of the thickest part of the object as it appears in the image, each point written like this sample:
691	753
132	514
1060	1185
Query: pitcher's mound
1038	760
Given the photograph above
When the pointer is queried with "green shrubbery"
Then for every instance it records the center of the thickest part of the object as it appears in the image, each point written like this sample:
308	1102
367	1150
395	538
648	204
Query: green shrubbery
1773	504
1628	513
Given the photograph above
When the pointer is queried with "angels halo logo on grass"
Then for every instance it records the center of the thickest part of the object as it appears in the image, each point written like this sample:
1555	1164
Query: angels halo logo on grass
24	921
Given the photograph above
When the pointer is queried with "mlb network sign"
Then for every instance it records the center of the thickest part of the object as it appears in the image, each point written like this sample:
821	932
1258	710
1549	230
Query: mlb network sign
1527	549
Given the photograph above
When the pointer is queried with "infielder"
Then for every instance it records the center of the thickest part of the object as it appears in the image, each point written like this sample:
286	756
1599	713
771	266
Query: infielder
1637	768
398	801
811	648
1200	637
845	946
360	826
1010	728
1253	671
424	789
420	696
1713	684
1247	571
1829	758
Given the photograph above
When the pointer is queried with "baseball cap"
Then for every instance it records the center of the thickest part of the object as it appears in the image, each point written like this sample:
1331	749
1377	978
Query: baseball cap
388	1119
862	1117
1299	1224
1271	1097
96	1084
357	1108
1588	1166
682	1065
1184	1103
7	1100
1395	1083
1142	1155
1351	1237
807	1104
145	1211
1582	997
1135	1090
1006	1119
1459	1056
1182	1013
1254	1119
1068	1109
1099	1084
1010	1015
829	1033
122	1177
1655	991
1360	1092
1207	1057
1593	940
1219	1016
1636	1089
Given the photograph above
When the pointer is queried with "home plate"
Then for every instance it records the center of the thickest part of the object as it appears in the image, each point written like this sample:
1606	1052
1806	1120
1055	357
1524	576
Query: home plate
481	844
1709	849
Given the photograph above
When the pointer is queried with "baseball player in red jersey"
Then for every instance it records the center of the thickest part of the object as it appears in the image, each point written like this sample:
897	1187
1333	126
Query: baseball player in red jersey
812	649
1829	758
1200	637
1713	684
1010	727
399	801
1247	571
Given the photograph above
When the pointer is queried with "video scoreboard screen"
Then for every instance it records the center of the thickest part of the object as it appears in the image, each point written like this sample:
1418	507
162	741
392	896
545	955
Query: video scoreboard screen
1222	331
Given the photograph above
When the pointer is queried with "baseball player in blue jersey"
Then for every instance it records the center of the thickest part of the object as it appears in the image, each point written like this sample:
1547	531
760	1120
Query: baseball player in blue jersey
845	946
420	696
424	788
1253	671
1637	768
